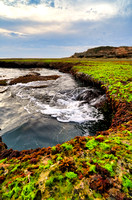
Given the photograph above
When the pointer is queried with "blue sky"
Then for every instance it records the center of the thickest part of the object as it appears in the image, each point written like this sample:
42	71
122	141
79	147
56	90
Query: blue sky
59	28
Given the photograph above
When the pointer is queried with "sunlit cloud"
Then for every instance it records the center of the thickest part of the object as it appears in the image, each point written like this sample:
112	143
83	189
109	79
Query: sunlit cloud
61	12
58	18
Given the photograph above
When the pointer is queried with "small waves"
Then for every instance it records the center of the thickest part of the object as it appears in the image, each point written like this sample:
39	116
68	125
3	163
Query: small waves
45	113
64	105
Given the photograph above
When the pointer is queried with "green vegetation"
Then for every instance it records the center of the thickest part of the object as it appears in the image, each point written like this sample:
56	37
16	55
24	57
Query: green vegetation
48	165
3	160
115	76
91	144
67	146
71	175
97	167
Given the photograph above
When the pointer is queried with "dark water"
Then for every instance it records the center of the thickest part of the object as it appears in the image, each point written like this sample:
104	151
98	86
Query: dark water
32	117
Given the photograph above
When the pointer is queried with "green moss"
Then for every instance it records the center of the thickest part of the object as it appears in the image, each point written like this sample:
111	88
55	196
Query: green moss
114	76
92	168
3	160
49	164
109	156
117	140
104	146
59	158
67	146
71	175
53	148
129	148
91	144
50	181
15	168
97	195
60	177
28	192
109	167
41	167
126	182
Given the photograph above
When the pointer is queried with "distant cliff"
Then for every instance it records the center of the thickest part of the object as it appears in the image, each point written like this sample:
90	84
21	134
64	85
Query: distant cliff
106	52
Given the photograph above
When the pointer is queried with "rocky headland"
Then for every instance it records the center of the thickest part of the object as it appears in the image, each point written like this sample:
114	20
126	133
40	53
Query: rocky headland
106	52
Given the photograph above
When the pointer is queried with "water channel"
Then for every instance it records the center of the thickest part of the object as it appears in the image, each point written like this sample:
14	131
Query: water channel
45	113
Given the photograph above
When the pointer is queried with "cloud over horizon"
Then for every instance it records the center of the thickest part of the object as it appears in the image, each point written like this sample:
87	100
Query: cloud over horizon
59	23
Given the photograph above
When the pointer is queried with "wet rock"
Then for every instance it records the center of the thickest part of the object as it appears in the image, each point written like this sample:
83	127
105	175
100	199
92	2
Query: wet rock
88	95
5	153
3	82
31	77
34	74
100	102
3	146
14	154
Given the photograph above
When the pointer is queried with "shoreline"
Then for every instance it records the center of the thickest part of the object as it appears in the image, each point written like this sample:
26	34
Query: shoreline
105	153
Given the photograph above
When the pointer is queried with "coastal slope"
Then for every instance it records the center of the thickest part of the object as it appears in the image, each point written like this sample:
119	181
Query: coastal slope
106	52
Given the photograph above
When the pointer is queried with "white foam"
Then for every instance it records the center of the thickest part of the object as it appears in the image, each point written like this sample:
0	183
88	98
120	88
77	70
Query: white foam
27	109
56	101
71	111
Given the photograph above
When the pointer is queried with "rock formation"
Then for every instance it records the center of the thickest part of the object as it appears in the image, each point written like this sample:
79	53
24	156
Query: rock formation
106	52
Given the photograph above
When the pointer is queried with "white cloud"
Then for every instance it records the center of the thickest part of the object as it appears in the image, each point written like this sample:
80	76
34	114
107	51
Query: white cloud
47	28
124	7
60	17
63	11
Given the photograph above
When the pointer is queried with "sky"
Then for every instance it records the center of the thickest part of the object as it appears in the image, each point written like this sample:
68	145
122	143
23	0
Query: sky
59	28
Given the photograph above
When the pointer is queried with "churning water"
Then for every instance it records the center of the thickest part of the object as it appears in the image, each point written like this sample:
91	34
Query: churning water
45	113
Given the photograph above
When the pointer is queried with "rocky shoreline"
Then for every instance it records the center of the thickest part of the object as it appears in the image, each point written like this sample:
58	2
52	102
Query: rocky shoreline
95	167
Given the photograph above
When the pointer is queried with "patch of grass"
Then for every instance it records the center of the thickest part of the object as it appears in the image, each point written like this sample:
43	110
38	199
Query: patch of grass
3	160
104	146
53	148
15	168
127	183
109	167
71	175
115	76
91	144
67	146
